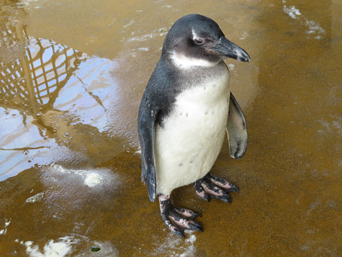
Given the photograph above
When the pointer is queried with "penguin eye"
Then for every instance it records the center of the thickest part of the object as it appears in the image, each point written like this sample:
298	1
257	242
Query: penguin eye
199	41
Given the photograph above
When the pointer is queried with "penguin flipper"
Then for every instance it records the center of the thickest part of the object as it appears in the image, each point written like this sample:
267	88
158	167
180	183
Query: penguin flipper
146	130
236	129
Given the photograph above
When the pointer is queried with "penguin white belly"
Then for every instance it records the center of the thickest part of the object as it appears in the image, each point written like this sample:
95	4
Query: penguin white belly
191	138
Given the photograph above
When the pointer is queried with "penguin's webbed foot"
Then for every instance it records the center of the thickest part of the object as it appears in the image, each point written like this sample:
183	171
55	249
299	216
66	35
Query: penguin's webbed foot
212	187
178	219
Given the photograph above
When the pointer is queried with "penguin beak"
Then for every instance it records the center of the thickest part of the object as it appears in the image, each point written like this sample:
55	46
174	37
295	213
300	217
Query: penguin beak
228	49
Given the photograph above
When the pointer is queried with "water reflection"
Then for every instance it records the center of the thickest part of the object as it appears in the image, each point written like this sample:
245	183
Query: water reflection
32	82
51	95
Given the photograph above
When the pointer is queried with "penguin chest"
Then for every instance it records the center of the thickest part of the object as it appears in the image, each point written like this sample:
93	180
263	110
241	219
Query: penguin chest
192	135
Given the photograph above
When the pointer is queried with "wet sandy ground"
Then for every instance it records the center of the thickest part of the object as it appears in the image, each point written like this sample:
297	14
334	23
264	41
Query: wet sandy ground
72	74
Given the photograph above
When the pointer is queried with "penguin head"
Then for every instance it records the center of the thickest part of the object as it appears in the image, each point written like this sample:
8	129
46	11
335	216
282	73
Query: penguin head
195	40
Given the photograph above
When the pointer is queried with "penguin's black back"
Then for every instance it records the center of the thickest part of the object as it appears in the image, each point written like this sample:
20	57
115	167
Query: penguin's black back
161	90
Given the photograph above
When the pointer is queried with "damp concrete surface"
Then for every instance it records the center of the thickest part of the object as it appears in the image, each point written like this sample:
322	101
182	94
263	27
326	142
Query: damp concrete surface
72	74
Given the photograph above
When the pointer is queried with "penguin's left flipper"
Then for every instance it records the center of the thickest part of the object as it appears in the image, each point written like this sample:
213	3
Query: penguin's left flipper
236	129
147	119
178	219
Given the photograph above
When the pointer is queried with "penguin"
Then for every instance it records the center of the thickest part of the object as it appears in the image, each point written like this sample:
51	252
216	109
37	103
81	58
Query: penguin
185	112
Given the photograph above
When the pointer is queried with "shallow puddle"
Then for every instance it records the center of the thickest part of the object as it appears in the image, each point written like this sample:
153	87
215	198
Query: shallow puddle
72	74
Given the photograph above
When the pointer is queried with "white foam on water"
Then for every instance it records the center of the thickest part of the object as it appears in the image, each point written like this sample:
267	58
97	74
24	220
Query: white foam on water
91	177
61	248
314	29
67	245
176	247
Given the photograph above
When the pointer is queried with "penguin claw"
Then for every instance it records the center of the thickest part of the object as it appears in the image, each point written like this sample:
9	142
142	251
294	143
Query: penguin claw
224	198
178	233
195	226
187	213
232	189
212	187
206	197
178	219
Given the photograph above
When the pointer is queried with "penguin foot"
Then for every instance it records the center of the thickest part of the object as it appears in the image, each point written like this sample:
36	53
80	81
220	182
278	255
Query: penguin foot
178	219
212	187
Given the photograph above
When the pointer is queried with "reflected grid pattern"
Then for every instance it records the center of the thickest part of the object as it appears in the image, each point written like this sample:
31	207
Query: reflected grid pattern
49	65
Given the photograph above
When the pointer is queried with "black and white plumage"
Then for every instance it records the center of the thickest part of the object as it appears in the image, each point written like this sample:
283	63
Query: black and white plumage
184	114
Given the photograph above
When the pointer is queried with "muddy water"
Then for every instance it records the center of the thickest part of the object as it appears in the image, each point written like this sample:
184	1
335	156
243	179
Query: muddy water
72	74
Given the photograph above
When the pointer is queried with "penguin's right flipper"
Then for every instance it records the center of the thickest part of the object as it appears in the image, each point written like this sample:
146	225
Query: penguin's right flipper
146	130
236	129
